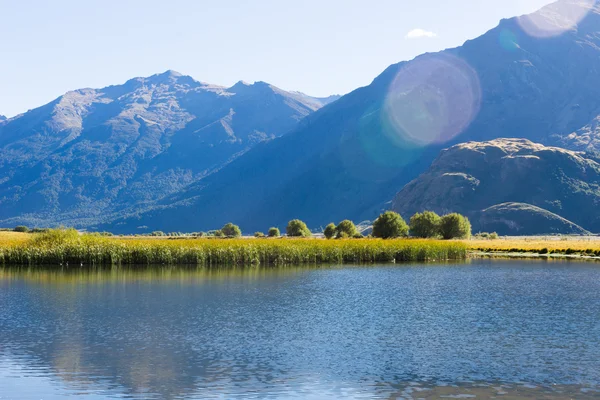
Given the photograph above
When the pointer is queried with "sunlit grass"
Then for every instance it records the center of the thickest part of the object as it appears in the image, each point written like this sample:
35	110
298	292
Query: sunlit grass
67	247
539	245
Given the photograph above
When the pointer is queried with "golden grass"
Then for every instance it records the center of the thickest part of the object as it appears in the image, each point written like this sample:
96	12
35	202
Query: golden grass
550	244
11	238
63	247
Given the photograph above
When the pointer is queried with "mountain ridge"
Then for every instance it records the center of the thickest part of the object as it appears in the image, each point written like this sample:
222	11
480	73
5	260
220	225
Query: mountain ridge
475	178
92	152
349	159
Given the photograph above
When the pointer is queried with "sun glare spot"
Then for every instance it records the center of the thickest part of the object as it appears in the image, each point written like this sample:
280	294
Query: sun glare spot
432	100
556	19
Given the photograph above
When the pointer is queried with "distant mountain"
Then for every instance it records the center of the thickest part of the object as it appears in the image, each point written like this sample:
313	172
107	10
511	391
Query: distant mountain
523	219
547	188
349	159
93	154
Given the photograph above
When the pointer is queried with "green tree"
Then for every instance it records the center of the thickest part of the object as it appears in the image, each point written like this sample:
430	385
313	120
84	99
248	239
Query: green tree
389	225
329	231
218	233
274	232
425	225
347	227
259	235
231	230
455	226
21	228
297	228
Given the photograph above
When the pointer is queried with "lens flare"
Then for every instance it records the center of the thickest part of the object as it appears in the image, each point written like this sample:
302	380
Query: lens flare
556	19
432	100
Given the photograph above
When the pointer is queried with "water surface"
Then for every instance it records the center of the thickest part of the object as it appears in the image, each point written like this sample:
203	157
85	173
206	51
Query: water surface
510	329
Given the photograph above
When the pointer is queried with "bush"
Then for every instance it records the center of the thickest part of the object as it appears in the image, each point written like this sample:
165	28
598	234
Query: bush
56	237
259	235
425	225
231	230
493	236
157	233
329	231
342	235
297	228
455	226
21	228
358	235
218	233
347	227
389	225
274	232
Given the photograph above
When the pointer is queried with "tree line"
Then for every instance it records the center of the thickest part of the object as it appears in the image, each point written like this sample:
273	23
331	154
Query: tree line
388	225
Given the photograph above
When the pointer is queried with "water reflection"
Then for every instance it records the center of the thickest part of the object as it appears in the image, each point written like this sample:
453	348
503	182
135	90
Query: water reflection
308	333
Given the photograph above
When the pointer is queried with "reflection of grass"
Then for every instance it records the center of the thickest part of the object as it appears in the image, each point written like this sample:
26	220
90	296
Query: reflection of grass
68	247
542	245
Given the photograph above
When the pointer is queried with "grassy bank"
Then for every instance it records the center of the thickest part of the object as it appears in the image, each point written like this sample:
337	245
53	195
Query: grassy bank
70	248
543	246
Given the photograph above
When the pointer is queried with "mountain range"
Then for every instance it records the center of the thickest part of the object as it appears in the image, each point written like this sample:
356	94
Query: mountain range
92	154
169	153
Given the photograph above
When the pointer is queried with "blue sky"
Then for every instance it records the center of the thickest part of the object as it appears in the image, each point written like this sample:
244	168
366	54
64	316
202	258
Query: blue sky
320	47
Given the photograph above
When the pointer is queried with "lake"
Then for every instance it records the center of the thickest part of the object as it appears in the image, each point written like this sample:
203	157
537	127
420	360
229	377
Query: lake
513	329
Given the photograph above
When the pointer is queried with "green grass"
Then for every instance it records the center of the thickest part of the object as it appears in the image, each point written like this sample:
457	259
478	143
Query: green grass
62	247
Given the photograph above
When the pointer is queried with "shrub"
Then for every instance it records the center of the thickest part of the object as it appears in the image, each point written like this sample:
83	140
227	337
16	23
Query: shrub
544	251
347	227
425	225
56	237
329	231
21	228
274	232
218	233
358	235
157	233
297	228
455	226
493	236
389	225
342	235
231	230
259	235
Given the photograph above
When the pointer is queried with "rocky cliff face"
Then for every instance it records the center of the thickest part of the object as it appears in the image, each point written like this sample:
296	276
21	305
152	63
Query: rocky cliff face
557	190
93	153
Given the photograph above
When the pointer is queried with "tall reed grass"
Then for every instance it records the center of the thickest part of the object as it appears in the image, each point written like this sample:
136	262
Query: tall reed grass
68	247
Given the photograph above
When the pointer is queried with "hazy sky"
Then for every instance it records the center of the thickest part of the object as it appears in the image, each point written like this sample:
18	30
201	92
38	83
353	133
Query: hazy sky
320	47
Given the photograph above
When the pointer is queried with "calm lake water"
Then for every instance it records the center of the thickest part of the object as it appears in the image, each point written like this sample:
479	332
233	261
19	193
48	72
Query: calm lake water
512	329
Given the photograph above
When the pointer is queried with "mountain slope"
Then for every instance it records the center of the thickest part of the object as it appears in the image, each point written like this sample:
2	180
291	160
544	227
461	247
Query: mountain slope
523	219
474	178
92	154
348	159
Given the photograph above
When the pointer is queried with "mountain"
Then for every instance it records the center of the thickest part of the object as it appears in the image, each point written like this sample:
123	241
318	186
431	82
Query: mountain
512	186
523	219
2	118
93	154
349	159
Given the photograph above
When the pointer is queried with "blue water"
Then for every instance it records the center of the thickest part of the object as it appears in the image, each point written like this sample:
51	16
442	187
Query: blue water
477	329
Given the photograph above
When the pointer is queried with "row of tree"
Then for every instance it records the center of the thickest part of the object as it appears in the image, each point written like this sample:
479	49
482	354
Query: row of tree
388	225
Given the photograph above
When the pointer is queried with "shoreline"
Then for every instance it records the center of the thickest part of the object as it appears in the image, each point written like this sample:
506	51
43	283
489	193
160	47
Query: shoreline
530	255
